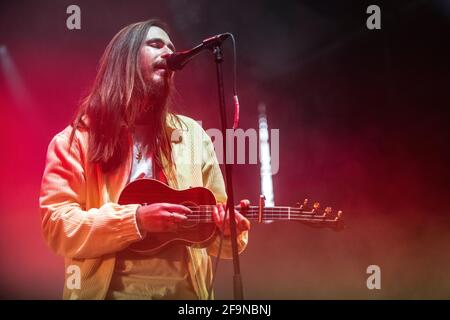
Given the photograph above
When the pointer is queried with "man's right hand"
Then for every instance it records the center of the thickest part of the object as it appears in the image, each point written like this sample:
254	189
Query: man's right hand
160	217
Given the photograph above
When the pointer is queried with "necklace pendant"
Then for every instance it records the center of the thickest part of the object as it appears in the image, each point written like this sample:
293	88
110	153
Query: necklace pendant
139	156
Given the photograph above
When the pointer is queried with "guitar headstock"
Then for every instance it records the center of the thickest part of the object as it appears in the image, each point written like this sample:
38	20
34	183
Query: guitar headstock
313	216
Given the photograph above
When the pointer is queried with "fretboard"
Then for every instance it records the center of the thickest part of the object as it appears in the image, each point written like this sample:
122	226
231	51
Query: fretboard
203	213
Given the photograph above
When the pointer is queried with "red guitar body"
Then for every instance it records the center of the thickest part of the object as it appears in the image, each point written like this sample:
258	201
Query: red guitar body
148	191
199	229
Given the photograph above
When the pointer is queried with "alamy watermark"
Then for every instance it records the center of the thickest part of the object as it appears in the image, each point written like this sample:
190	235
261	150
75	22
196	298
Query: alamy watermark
73	21
73	279
374	280
374	20
242	147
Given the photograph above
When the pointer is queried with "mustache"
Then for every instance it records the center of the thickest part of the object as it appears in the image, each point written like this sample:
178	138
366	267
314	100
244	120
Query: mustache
161	65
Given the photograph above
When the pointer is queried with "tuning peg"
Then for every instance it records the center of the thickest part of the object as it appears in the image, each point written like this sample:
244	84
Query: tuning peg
328	211
304	205
316	207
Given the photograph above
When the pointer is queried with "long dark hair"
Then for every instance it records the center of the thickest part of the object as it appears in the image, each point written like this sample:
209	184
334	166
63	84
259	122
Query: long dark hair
117	98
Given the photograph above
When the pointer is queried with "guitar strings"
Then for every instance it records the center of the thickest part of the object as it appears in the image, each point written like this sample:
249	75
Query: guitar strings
265	211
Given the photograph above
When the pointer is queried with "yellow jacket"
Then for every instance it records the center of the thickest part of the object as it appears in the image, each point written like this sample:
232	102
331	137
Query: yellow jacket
82	221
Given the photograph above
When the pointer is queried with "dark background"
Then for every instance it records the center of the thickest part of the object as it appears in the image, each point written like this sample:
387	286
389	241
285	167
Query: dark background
363	118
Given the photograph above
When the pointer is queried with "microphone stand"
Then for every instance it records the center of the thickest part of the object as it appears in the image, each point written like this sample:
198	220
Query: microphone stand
237	279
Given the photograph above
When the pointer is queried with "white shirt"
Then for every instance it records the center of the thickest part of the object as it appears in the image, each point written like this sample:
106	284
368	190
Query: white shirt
142	166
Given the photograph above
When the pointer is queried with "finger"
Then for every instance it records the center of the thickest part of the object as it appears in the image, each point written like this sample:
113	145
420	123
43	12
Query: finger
242	222
244	225
226	229
175	217
245	203
221	209
222	206
177	208
216	216
220	217
225	221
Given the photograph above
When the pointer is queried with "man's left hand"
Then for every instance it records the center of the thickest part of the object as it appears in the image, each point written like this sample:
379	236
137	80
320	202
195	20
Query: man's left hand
242	223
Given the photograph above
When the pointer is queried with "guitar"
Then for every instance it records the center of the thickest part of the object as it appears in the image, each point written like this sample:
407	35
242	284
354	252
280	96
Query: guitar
199	229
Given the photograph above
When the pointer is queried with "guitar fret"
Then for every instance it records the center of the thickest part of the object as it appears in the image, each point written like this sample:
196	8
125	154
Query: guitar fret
203	213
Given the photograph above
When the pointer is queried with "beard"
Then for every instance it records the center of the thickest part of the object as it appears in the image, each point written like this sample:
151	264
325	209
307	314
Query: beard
154	104
158	92
153	112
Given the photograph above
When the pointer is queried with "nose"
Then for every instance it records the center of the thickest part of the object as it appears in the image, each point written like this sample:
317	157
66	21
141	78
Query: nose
166	55
166	51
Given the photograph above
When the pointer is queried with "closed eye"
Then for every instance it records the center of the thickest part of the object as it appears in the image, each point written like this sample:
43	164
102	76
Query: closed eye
155	44
159	44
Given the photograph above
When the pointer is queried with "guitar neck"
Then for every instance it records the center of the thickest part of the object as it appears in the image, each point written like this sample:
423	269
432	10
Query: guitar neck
203	213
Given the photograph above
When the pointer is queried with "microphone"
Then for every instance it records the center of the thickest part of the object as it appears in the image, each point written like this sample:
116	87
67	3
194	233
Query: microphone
176	61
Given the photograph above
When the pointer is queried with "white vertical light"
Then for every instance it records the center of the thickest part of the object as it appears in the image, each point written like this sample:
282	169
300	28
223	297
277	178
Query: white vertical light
14	81
264	157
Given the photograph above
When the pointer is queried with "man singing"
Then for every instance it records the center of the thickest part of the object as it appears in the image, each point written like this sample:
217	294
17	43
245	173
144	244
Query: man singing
124	131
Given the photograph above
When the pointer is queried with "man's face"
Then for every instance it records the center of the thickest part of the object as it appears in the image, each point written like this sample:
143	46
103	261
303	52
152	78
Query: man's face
152	60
